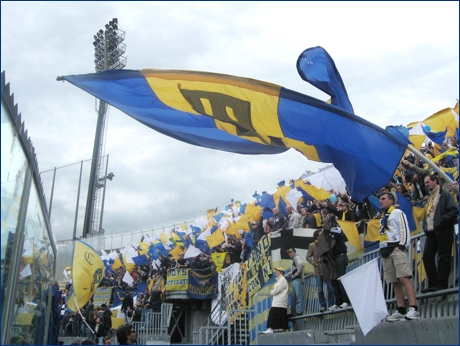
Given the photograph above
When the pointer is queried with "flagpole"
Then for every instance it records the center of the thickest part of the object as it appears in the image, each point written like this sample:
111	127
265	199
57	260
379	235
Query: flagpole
431	164
82	318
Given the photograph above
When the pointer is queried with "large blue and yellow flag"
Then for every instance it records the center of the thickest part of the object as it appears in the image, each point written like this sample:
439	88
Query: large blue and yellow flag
248	116
87	273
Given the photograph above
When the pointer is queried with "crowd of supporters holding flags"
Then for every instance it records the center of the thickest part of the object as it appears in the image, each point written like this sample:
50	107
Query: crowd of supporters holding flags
408	183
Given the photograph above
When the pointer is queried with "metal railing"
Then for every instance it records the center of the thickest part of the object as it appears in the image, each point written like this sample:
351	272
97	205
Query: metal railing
156	324
214	330
233	331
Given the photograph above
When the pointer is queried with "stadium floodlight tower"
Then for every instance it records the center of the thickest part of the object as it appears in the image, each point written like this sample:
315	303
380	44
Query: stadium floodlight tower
108	53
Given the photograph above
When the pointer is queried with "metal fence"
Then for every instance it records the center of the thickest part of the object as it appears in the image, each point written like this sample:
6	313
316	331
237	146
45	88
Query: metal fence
155	327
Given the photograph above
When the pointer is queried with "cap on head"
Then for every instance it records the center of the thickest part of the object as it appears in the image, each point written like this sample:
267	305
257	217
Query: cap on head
280	269
292	249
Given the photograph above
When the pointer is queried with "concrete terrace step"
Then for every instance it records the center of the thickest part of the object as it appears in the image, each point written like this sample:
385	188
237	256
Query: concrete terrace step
309	337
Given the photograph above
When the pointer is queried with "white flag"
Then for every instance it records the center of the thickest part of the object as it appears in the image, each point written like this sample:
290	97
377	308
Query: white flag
364	288
191	252
293	197
128	279
26	271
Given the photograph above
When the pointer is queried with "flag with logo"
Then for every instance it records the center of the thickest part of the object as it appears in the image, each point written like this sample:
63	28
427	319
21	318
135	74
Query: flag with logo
87	273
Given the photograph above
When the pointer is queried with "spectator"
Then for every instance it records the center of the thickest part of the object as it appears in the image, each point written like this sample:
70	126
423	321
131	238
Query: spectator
91	320
394	237
127	301
280	224
296	274
128	314
277	316
182	262
137	313
314	259
268	229
235	247
71	326
107	318
155	300
441	214
258	228
203	262
165	265
126	335
305	217
335	239
100	331
294	219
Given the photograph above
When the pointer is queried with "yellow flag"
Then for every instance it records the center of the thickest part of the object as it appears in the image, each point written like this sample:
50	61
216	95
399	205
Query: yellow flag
219	260
351	231
175	252
253	211
116	263
318	219
163	238
417	141
128	265
373	231
242	222
87	273
317	193
281	192
144	248
216	238
231	229
438	122
419	214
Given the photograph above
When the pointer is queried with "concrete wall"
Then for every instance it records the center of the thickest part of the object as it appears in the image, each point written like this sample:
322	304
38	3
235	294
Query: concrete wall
433	331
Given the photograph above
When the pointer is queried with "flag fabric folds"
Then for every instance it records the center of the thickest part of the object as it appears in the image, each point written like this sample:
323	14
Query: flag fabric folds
351	231
87	273
364	288
316	67
247	116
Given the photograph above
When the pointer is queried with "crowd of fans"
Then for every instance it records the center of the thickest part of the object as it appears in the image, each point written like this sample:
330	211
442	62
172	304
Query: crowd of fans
408	181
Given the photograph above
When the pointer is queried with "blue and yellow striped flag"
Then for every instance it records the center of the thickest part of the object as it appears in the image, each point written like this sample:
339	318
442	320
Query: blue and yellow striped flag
248	116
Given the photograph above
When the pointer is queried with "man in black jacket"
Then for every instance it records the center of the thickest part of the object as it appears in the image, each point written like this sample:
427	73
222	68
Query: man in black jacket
127	301
441	214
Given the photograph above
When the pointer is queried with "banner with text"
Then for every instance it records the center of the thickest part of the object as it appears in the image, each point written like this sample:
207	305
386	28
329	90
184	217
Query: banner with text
202	286
235	297
102	296
177	280
259	266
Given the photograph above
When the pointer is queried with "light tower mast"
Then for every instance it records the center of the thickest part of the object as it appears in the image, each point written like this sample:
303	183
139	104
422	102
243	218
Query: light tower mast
108	52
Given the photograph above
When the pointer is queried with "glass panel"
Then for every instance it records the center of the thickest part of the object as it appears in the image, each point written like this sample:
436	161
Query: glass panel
14	167
35	275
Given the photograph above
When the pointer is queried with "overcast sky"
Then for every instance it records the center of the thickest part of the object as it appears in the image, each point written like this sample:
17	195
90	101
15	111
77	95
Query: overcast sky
399	62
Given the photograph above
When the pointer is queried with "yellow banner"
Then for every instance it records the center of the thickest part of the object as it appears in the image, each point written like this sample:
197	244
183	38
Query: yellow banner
219	260
177	280
102	296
